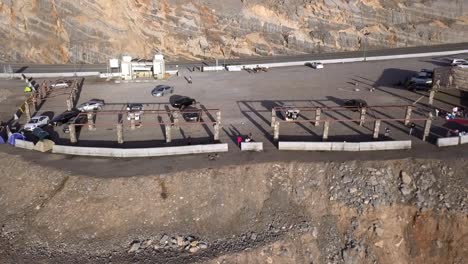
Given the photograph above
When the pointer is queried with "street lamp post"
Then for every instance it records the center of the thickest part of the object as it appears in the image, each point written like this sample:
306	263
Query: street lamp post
365	44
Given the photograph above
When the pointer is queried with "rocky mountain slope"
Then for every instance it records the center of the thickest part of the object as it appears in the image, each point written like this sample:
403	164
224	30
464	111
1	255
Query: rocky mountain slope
88	31
396	211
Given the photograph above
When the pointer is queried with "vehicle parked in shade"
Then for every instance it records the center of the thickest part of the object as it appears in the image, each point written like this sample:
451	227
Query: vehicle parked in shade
355	104
181	102
91	105
37	121
412	86
456	62
78	120
134	111
64	117
191	114
162	90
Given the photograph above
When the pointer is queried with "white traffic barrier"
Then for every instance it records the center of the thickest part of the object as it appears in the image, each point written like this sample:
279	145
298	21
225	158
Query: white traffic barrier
385	145
49	75
448	141
24	144
464	139
252	146
344	146
213	68
143	152
307	146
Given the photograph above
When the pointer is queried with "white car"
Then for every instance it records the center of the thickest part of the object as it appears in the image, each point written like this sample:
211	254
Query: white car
60	84
91	105
317	65
36	121
463	65
456	62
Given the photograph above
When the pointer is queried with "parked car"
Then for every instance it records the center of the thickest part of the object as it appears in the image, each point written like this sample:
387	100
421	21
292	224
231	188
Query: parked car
463	65
191	114
40	133
91	105
80	119
64	117
135	111
317	65
61	84
355	104
412	86
181	102
37	121
161	90
456	62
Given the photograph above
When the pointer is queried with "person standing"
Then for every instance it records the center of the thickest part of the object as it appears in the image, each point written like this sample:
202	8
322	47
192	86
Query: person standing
412	126
190	79
239	141
387	132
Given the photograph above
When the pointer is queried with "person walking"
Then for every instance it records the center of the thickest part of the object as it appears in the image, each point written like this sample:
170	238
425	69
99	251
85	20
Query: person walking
190	79
412	126
239	141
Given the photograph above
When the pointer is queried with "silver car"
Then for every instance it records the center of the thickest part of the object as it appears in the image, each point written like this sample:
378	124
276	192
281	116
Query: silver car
37	121
91	105
161	90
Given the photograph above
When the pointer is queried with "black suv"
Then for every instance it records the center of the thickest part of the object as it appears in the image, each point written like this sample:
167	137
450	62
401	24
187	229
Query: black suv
355	104
64	117
181	102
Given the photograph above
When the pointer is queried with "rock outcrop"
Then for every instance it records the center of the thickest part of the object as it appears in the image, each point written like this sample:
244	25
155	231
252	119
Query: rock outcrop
89	31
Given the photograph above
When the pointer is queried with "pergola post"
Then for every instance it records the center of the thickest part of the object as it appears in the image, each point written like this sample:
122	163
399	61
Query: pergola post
363	116
318	112
431	97
326	128
91	125
427	127
376	129
276	129
273	117
168	134
409	110
72	129
27	110
120	138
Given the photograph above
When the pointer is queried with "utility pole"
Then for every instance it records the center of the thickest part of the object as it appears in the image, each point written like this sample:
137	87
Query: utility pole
365	44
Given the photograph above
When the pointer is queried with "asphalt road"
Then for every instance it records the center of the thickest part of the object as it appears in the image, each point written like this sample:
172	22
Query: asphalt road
42	68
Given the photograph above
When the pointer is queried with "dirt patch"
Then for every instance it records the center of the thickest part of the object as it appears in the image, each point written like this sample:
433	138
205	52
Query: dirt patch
316	212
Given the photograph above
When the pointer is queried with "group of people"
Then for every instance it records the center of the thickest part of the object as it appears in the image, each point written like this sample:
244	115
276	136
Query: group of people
457	112
240	139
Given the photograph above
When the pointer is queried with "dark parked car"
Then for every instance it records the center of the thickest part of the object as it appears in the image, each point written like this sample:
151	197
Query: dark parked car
181	102
81	119
134	107
191	114
64	117
412	86
355	104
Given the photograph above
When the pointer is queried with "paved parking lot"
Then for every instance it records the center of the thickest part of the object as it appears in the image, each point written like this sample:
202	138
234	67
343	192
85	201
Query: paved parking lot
245	101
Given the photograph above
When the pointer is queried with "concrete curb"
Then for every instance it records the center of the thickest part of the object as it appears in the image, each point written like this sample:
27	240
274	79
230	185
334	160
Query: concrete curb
344	146
448	141
252	146
49	75
143	152
24	144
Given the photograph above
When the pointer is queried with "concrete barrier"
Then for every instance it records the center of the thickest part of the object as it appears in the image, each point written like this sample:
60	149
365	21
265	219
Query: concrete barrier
49	75
344	146
24	144
464	139
448	141
143	152
307	146
385	145
213	68
235	68
252	146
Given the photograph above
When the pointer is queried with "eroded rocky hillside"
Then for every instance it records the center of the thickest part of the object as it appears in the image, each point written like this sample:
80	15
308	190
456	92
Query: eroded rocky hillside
54	31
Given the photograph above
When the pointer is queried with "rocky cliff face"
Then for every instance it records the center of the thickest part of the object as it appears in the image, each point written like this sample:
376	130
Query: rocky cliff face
58	31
